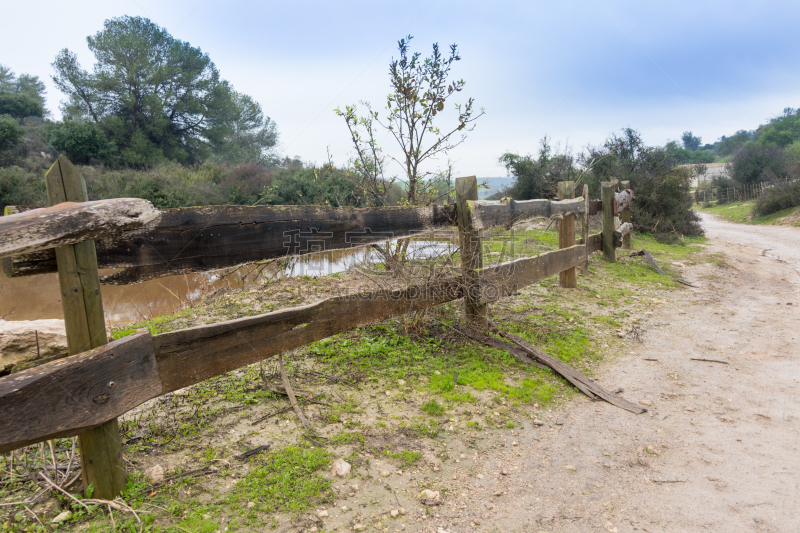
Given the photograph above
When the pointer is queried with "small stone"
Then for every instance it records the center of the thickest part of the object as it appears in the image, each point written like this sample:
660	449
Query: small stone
206	516
354	487
441	530
322	514
250	505
538	422
570	467
313	529
401	382
394	513
402	510
399	472
515	443
480	476
645	402
154	474
559	421
504	472
344	508
530	486
463	456
498	493
340	468
62	516
476	522
359	527
429	494
385	473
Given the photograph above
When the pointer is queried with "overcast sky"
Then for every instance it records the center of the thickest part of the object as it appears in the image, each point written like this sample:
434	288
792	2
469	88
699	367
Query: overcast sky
574	70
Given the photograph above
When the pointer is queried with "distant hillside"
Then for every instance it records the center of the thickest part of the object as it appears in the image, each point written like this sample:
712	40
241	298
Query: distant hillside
495	186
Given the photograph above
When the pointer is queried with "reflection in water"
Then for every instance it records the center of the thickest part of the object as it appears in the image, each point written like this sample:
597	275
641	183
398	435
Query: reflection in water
37	297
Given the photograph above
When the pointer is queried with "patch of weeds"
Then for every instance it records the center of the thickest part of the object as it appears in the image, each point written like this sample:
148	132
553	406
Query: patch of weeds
510	425
346	437
286	480
433	408
406	457
430	429
474	425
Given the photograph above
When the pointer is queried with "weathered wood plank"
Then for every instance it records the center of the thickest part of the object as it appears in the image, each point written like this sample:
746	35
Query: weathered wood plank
506	278
492	213
469	240
609	207
70	223
207	238
79	281
70	395
195	354
566	235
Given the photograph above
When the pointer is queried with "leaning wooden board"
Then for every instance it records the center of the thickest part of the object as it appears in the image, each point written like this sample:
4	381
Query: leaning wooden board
208	238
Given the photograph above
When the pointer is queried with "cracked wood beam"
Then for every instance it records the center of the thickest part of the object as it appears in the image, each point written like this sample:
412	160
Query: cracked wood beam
491	213
70	223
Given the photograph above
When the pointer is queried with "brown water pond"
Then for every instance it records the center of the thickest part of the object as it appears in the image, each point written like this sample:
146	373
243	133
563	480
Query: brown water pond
38	297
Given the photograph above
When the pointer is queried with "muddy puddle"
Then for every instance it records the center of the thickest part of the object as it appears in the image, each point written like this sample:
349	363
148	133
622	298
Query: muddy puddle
37	297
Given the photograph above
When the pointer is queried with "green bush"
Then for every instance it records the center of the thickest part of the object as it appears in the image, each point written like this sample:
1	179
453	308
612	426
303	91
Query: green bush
780	196
20	105
80	140
10	132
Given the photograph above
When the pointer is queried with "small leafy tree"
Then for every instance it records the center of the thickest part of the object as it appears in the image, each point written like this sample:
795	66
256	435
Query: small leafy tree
81	140
690	142
10	132
420	90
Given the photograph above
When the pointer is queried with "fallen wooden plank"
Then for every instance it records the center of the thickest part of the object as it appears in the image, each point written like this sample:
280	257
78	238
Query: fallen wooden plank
208	238
67	396
492	213
71	223
506	278
571	375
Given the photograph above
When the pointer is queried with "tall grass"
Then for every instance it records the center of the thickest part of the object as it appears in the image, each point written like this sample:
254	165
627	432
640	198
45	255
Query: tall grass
781	196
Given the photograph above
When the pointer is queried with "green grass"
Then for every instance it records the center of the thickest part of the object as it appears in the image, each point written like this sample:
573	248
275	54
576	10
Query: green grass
404	457
286	480
741	212
433	408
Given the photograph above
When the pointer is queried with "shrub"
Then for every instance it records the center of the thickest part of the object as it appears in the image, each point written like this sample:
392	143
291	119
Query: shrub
81	141
758	162
10	132
780	196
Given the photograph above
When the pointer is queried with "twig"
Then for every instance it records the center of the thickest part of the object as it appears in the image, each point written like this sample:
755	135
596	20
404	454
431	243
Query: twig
250	453
290	393
278	412
668	480
709	360
70	496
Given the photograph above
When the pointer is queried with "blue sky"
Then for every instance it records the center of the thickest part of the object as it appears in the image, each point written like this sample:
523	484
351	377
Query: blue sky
574	70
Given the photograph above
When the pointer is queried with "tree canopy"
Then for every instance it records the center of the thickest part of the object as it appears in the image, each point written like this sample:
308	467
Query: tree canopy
158	98
21	96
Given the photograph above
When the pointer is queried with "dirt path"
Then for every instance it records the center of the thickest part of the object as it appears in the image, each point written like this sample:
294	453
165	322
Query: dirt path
718	450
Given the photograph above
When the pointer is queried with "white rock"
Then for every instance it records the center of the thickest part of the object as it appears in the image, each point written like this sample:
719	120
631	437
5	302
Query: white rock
401	382
359	527
322	514
429	494
250	505
394	513
340	468
385	474
570	467
154	474
62	516
480	476
18	340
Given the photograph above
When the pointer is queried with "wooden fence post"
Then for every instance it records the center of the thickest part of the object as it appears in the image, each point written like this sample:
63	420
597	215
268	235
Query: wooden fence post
607	189
625	216
101	448
471	253
585	236
566	235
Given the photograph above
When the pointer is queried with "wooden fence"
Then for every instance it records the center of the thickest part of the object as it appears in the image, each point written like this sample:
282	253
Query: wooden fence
85	393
